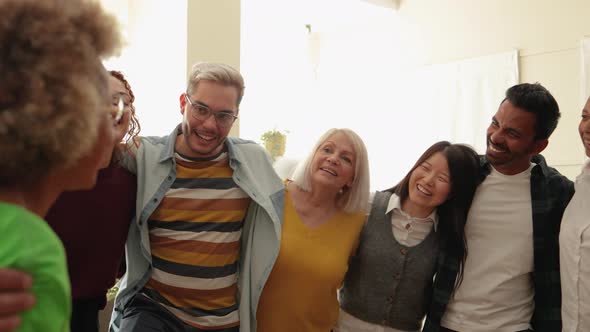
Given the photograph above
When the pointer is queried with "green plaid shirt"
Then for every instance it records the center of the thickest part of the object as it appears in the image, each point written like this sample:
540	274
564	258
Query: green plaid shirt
550	194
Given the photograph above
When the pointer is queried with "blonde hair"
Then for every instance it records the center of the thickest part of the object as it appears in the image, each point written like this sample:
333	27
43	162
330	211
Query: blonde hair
356	198
53	83
216	72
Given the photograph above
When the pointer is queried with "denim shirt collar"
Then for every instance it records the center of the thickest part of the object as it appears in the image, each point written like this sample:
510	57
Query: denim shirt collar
168	151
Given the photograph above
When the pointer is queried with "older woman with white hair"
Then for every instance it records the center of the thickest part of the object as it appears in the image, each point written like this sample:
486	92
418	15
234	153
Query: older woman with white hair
325	210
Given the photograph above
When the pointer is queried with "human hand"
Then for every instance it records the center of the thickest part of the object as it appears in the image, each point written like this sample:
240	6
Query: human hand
14	297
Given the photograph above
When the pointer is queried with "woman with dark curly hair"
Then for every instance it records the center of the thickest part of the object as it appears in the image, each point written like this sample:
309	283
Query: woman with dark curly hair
54	136
93	224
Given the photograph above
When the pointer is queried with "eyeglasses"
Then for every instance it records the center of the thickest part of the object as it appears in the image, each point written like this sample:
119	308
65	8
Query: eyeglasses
202	113
120	104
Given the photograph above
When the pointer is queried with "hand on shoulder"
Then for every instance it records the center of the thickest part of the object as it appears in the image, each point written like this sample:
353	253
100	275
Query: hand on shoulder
14	297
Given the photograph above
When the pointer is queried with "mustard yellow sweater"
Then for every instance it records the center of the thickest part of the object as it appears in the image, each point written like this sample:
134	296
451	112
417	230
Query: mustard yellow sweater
301	292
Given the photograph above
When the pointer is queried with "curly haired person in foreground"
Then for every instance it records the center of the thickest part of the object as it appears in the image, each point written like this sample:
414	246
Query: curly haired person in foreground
95	247
55	134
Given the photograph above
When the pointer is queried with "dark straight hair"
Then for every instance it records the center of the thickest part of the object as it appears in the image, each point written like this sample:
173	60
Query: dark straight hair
463	164
536	99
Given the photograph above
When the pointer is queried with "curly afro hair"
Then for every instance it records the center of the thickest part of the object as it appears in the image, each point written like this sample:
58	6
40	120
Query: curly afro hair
54	86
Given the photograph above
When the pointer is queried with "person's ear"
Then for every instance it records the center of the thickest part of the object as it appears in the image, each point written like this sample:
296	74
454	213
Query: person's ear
182	103
540	145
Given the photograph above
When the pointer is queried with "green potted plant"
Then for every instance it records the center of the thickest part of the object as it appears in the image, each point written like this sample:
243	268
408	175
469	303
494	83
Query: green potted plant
274	142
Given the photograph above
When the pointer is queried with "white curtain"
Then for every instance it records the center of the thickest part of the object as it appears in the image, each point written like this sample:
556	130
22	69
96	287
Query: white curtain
462	96
399	117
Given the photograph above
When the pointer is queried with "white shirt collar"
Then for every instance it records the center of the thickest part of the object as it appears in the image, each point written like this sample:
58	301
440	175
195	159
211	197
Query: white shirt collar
394	203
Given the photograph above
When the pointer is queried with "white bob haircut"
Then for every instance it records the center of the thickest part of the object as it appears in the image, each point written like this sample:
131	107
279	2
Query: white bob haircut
354	199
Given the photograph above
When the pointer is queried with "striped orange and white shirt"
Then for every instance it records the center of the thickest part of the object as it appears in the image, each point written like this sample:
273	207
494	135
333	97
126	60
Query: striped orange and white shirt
195	243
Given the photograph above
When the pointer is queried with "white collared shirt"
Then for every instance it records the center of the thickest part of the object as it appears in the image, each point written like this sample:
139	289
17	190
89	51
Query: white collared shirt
574	254
408	231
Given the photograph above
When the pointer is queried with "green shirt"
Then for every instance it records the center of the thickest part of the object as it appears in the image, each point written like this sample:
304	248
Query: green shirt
27	243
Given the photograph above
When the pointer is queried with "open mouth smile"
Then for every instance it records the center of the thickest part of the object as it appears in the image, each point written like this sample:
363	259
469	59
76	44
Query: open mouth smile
423	190
329	171
496	149
205	137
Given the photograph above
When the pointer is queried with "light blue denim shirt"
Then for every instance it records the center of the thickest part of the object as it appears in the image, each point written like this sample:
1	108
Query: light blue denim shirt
155	166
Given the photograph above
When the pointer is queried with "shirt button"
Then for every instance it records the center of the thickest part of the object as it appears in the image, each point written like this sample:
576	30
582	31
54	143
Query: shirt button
408	226
403	251
169	177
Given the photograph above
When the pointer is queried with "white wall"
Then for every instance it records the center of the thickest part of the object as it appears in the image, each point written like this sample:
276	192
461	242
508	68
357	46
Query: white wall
213	34
164	39
547	34
362	67
154	58
316	65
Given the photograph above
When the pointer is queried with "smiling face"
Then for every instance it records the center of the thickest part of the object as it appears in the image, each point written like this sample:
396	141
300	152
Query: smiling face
584	127
429	186
511	139
120	93
205	138
333	164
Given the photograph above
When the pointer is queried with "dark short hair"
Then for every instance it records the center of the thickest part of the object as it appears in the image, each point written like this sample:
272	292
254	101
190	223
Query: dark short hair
463	164
536	99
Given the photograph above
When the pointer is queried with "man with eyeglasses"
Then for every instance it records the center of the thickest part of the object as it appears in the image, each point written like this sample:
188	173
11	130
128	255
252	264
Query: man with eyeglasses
198	192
